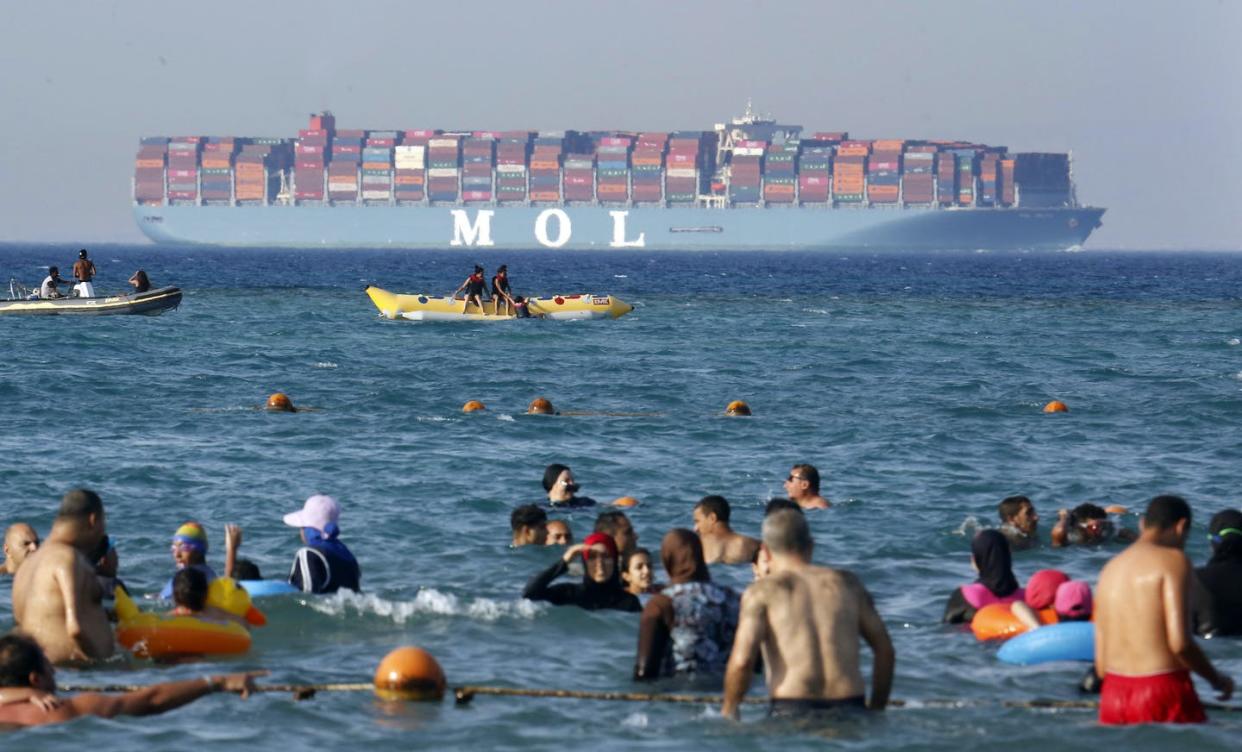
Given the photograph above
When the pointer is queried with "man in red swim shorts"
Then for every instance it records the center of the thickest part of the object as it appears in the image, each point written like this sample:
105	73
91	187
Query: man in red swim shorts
1144	650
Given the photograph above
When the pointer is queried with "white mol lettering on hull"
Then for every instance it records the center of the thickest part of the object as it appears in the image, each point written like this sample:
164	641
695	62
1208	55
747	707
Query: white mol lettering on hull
478	233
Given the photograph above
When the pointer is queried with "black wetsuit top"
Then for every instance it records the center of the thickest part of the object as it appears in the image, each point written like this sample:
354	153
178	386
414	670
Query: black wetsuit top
474	286
500	286
1216	598
587	594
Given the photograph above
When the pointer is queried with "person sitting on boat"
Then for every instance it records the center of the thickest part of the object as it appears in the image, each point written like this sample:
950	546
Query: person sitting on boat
84	272
325	564
140	282
501	290
50	289
474	286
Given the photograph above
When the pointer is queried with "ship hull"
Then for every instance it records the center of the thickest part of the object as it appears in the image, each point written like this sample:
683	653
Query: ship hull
604	228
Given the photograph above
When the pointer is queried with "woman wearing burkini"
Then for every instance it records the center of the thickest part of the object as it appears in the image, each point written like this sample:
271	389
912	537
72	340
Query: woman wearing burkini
688	628
989	554
558	481
600	587
325	565
1216	593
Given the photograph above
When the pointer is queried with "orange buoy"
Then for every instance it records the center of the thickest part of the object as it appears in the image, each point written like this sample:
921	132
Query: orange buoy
625	501
540	406
737	407
409	673
280	402
1116	509
1056	406
472	406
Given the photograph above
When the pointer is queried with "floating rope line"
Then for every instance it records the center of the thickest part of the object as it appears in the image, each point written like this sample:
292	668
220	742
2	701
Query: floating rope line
465	694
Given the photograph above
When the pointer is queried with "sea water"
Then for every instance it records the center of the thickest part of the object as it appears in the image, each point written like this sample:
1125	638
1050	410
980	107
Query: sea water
913	382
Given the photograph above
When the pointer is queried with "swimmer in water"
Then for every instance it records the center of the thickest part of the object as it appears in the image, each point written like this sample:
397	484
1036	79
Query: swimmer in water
190	599
808	621
1216	595
802	486
562	489
720	543
1144	651
777	504
28	688
601	584
189	550
20	541
617	526
1087	525
529	524
990	557
559	533
1018	522
636	572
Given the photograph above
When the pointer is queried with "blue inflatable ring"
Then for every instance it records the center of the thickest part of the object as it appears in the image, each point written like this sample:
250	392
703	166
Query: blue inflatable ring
264	588
1067	641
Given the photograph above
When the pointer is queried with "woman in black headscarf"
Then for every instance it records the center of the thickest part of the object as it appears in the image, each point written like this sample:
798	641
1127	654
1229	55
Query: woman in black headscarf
989	555
688	627
558	481
601	586
1216	592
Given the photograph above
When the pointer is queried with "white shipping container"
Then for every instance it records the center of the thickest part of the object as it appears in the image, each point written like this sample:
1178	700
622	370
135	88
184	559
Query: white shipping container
443	172
376	195
748	151
449	142
511	169
677	172
411	150
334	185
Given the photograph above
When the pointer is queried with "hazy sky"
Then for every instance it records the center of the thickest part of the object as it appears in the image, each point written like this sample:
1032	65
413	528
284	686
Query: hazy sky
1146	94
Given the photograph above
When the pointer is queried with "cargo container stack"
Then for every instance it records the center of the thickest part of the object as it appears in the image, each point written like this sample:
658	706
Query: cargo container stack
814	168
647	168
884	172
1042	179
580	177
545	166
512	156
344	160
918	180
612	169
444	168
149	165
684	165
478	157
946	178
410	160
377	175
989	175
183	155
779	177
216	170
745	171
310	154
1007	192
256	172
965	176
849	172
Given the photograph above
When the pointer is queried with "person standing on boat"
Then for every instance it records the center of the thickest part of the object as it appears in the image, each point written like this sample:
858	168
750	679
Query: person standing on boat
140	282
474	287
50	289
84	272
501	290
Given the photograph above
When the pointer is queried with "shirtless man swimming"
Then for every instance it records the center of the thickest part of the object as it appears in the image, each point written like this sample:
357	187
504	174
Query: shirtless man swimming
720	543
56	595
1144	651
28	690
802	486
20	541
806	620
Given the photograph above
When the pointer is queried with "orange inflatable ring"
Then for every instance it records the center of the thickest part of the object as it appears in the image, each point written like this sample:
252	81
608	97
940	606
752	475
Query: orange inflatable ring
151	635
996	621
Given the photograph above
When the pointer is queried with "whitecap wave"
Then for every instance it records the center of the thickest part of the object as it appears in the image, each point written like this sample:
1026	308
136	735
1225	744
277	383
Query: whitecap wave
506	417
325	364
1235	342
969	527
434	419
428	602
621	276
823	311
635	720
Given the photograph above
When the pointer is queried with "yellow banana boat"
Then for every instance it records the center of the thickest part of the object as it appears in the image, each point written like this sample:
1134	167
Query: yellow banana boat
442	308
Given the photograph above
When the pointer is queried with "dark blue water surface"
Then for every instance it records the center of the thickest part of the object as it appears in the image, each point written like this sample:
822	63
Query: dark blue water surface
914	382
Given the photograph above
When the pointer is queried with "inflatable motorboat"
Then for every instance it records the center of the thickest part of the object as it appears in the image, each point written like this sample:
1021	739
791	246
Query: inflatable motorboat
149	303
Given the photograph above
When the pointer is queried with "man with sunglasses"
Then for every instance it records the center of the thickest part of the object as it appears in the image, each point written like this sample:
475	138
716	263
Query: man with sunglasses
1087	525
802	486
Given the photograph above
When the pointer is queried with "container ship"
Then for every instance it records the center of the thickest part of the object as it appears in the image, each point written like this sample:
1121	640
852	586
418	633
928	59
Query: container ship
750	184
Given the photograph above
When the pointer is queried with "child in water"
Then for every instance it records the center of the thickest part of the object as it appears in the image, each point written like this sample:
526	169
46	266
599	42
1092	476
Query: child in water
189	591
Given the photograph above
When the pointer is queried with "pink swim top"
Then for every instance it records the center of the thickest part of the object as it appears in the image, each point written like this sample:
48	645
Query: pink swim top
978	596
